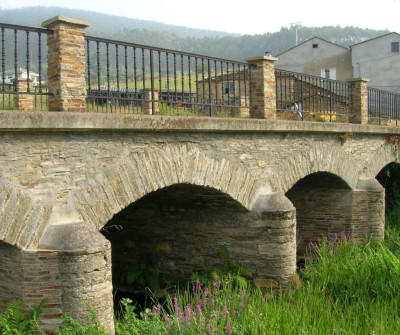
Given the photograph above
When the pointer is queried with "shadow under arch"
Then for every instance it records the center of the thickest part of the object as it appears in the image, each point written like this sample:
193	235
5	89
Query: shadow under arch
323	203
177	231
389	178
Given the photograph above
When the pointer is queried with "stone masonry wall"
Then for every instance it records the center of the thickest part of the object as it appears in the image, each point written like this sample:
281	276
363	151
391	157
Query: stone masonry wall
31	276
94	175
184	227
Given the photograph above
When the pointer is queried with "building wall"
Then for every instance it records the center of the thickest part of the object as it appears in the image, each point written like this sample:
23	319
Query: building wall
340	62
297	58
374	60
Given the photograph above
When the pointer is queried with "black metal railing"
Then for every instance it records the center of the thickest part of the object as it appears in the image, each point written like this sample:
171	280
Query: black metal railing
383	105
23	68
131	78
308	97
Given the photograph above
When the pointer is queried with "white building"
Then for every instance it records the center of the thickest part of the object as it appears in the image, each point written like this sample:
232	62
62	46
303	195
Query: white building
9	76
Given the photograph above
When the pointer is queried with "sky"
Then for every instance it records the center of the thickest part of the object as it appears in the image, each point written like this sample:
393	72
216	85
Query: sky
243	17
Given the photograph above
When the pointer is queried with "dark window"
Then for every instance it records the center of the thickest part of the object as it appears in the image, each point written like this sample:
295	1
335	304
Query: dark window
395	46
229	88
315	46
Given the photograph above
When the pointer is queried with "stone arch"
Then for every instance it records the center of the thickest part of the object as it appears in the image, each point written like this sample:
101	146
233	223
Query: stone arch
317	158
380	159
141	173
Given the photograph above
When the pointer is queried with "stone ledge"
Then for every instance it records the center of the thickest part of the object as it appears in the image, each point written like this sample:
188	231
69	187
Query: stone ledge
57	121
66	19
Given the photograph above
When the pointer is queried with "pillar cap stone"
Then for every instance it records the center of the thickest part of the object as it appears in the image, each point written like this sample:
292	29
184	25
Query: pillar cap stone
72	237
260	58
66	19
274	202
364	80
370	184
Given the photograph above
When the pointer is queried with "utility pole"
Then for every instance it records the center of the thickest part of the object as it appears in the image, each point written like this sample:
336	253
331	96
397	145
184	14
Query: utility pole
296	25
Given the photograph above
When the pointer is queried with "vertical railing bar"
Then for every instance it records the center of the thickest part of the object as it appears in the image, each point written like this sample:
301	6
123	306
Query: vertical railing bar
143	70
216	81
118	93
15	60
99	93
197	78
182	78
168	96
27	62
228	82
190	81
222	84
209	86
3	60
250	88
175	79
240	69
108	74
89	73
135	70
153	108
127	95
233	82
203	80
159	81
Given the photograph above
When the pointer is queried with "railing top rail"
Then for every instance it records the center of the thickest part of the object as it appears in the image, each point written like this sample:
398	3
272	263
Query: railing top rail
129	44
25	28
372	89
313	77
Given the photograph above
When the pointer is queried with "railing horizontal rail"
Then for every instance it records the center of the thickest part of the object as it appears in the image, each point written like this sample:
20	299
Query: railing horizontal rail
318	97
133	78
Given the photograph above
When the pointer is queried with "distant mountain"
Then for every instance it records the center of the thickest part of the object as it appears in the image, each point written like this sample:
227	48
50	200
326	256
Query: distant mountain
102	24
205	42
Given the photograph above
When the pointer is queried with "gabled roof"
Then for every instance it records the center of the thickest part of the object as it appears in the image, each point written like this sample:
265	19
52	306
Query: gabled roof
20	71
315	37
371	39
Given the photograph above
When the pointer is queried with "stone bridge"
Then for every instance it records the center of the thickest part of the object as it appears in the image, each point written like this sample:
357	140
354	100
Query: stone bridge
80	192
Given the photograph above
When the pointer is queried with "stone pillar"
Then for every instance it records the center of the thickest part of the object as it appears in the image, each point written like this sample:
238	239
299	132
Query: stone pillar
369	208
263	88
148	104
276	219
66	64
84	266
360	101
23	101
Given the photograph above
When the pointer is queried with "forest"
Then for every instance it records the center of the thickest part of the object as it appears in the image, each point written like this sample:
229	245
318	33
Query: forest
204	42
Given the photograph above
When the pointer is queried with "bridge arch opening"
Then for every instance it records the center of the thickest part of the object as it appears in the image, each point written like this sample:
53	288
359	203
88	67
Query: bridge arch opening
172	233
323	203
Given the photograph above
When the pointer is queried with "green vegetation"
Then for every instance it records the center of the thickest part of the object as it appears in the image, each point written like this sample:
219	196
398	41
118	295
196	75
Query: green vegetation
15	320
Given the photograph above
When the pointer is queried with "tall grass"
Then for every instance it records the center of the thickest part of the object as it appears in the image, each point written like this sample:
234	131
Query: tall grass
347	287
